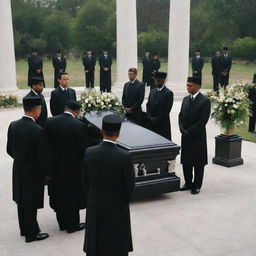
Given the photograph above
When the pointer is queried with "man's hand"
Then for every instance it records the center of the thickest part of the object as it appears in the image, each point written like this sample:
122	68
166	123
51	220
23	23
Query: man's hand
128	110
61	70
105	69
86	71
38	70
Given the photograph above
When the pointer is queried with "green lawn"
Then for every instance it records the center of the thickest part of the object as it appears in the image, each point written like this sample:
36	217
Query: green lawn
75	69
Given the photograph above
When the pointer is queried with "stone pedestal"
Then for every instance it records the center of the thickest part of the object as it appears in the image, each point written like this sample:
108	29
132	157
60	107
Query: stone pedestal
7	59
126	29
178	50
228	150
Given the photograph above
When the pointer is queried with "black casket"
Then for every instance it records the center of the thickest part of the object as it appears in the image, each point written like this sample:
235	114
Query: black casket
153	156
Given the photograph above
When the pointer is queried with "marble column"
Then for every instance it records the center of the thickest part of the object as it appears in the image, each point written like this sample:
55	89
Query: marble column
7	56
126	29
178	49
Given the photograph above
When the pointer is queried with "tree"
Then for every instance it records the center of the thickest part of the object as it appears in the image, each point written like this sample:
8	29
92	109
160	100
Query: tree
244	48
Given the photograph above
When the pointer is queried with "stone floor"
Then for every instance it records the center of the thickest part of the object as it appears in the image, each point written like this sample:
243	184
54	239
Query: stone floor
220	220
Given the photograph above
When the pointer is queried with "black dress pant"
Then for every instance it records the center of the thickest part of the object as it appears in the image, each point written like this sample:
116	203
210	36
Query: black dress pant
216	82
105	81
89	78
224	80
198	176
252	121
68	219
28	222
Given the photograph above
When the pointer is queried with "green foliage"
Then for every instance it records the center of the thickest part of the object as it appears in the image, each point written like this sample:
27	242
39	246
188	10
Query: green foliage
154	41
244	48
8	101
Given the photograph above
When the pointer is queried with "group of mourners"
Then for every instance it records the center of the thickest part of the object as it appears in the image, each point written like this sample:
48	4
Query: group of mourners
58	151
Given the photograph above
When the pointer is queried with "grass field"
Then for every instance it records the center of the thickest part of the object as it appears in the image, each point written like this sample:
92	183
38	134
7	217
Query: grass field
75	69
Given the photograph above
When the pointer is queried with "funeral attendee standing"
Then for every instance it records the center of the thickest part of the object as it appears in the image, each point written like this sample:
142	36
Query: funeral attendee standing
35	66
61	95
216	70
252	97
159	106
193	117
155	66
105	62
197	64
60	64
27	145
109	182
36	90
89	62
147	68
68	140
225	66
133	97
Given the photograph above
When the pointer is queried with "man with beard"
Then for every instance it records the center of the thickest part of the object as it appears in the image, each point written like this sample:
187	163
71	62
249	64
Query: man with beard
35	66
36	90
68	140
159	106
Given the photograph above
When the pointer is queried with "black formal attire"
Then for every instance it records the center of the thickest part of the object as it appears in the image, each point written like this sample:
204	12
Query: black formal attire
34	63
155	66
105	76
27	145
58	64
225	66
59	99
147	70
159	106
89	63
197	66
44	113
109	182
68	139
133	97
216	72
193	117
252	119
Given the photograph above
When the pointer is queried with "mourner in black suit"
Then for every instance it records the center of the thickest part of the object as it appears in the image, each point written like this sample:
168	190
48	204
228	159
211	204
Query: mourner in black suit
61	95
133	97
216	70
68	139
109	182
159	106
27	145
193	117
147	68
89	62
252	97
155	66
60	64
225	66
105	62
197	64
36	90
35	66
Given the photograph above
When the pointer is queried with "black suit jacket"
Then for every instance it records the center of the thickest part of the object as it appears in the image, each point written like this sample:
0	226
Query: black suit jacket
147	69
225	63
89	64
105	63
34	63
197	64
109	182
44	113
68	140
27	145
59	100
159	106
59	64
216	65
193	118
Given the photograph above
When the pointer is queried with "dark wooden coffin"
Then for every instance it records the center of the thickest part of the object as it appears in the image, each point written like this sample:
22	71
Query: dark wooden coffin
153	156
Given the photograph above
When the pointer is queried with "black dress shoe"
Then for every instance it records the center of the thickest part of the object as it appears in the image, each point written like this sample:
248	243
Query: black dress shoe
184	188
195	191
38	237
81	226
22	234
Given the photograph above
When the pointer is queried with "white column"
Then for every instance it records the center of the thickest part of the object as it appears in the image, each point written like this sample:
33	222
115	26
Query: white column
178	51
7	56
126	29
